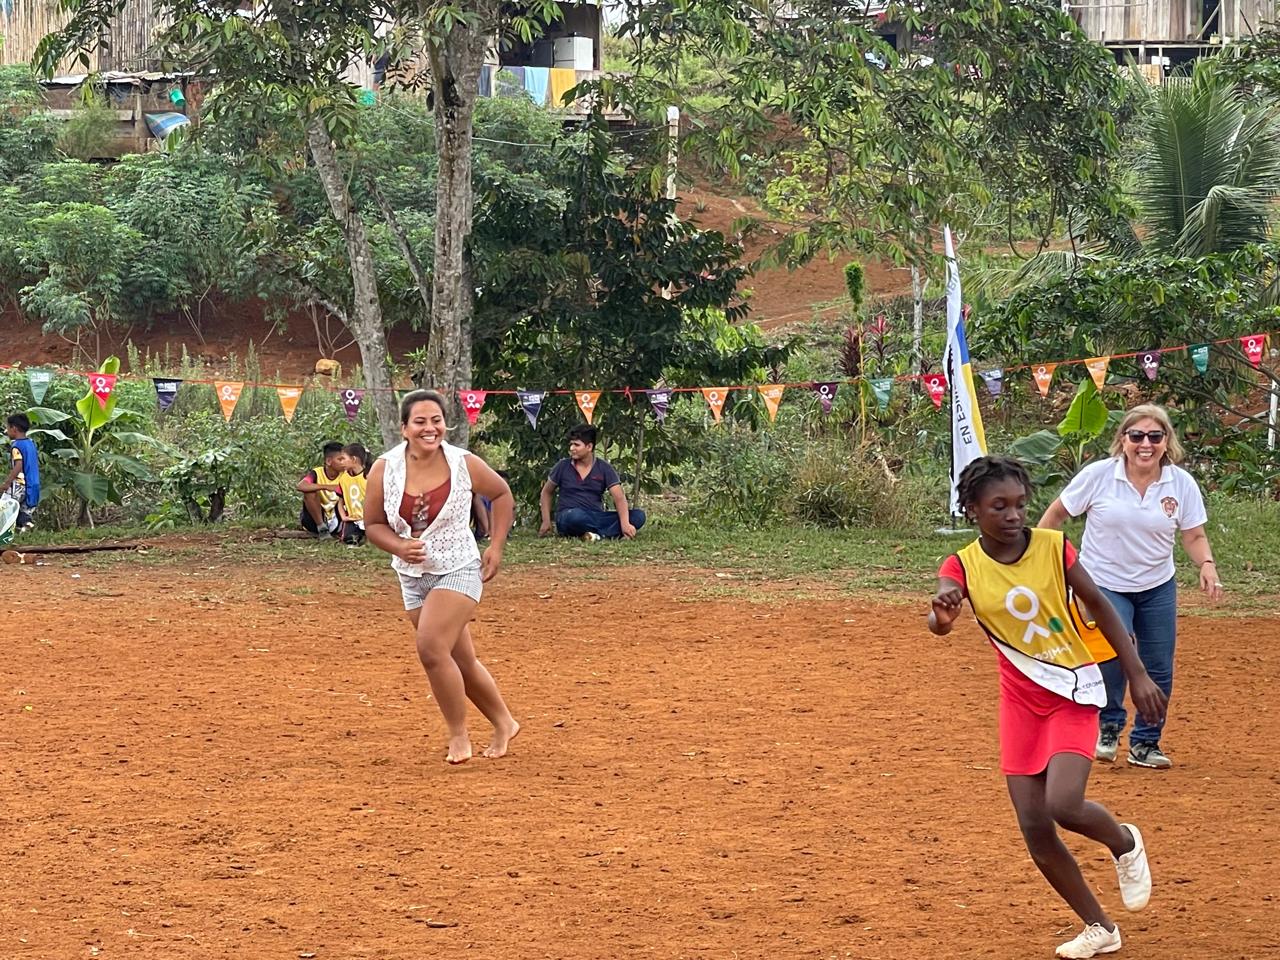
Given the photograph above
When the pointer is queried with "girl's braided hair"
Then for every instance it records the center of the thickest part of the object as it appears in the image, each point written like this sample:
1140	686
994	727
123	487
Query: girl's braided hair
988	470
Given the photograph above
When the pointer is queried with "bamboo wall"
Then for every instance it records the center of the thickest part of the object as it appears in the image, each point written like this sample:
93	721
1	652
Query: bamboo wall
125	46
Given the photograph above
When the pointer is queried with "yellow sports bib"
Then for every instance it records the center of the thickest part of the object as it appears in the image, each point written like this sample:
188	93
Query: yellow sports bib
328	499
353	488
1026	609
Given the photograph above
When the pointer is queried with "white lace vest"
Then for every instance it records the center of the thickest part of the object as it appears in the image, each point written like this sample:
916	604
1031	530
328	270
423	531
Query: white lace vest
450	543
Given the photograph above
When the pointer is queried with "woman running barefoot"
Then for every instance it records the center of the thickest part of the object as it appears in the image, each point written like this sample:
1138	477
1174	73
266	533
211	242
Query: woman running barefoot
1051	689
418	509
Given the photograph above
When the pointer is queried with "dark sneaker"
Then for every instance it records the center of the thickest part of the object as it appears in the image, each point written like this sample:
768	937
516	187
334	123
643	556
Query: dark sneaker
1148	755
1108	743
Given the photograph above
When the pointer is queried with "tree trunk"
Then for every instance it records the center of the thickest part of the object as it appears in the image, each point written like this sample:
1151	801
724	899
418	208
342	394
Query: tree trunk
455	74
366	322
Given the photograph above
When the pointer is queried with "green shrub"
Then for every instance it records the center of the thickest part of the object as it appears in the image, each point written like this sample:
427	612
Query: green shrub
834	486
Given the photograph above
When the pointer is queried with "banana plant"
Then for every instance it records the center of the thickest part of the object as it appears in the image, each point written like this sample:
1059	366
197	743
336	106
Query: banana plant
1055	456
96	448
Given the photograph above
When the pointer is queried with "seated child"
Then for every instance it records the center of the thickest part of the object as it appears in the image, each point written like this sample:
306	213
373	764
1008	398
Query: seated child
351	505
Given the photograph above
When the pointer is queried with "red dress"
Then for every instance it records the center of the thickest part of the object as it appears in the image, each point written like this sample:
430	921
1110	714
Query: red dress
1035	723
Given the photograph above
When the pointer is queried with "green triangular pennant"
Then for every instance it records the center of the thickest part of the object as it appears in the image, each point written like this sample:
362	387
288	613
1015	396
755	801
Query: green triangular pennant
1200	356
881	387
39	381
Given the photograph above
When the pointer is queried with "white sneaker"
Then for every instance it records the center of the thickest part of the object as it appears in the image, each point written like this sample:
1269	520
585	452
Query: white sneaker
1091	941
1134	873
591	537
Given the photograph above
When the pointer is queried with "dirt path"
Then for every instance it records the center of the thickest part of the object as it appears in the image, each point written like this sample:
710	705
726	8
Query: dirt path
222	759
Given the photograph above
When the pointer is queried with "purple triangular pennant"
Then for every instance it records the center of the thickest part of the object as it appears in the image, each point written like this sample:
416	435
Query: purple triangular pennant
1149	361
994	379
661	400
352	397
826	394
166	390
531	404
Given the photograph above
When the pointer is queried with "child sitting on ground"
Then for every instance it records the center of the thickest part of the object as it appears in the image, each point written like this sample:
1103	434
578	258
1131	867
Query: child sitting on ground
351	506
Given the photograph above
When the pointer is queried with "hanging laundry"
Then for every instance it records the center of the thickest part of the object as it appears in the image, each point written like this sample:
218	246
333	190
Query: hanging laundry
536	82
510	82
562	81
486	80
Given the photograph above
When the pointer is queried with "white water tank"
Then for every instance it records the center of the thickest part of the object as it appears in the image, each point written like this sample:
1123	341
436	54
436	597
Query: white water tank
575	53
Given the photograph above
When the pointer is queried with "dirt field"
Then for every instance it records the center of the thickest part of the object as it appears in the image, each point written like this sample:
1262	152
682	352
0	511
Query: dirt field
217	758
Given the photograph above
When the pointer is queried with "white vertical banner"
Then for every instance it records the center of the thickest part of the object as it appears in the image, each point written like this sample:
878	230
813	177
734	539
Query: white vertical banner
968	439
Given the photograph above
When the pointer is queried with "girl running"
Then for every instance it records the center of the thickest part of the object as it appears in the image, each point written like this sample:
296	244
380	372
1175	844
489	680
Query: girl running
1020	583
418	509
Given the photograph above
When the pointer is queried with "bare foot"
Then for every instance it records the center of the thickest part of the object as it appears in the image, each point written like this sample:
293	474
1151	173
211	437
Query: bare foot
459	749
502	738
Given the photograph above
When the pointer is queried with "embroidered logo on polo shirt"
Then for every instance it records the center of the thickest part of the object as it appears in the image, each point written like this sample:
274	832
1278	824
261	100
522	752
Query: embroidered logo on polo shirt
1170	505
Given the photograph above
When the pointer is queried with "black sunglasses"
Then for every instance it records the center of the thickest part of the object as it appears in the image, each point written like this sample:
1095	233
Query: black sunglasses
1135	436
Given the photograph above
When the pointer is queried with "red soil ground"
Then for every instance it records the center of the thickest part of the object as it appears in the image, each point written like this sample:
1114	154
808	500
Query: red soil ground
218	757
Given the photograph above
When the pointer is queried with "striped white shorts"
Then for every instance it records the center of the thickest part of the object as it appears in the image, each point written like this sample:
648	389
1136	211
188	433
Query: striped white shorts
465	581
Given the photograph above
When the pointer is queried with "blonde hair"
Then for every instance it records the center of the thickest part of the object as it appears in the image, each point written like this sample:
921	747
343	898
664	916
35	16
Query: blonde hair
1173	452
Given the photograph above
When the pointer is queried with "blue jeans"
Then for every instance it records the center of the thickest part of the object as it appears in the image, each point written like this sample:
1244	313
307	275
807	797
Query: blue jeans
574	522
1152	617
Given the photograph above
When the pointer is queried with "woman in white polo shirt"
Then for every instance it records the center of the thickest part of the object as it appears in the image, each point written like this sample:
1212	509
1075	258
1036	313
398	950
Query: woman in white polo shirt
1134	501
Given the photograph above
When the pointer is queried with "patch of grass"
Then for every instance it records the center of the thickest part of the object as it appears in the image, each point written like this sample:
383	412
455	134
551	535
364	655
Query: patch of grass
894	565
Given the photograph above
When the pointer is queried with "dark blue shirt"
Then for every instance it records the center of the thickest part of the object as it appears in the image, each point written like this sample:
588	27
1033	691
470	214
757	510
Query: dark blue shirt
577	492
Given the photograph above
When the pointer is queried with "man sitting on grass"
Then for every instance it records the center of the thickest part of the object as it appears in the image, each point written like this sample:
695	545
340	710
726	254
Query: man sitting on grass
582	481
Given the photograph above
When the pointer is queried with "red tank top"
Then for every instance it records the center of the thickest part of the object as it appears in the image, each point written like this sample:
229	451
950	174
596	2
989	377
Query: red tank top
419	510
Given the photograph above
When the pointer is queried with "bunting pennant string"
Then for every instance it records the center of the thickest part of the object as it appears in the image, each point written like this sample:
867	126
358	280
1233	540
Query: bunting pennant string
772	394
1097	367
1200	356
531	404
935	384
994	379
881	387
715	400
228	396
289	397
826	394
352	397
1044	376
102	385
472	403
1252	347
660	400
38	381
587	400
166	390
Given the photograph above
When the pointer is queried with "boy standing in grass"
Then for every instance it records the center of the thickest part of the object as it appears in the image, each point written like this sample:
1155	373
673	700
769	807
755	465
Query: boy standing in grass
23	482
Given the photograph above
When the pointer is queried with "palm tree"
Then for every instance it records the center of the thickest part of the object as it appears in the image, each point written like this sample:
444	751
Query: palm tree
1208	167
1205	173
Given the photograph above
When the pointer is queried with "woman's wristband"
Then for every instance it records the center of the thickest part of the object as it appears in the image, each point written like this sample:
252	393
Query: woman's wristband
1210	560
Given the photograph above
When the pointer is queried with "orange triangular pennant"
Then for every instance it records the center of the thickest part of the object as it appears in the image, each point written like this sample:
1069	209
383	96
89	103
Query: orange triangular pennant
228	396
1097	367
772	394
587	403
289	397
1044	376
715	400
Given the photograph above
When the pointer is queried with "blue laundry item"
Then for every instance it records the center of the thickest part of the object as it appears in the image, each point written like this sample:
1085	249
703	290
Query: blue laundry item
162	124
486	81
510	82
537	80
